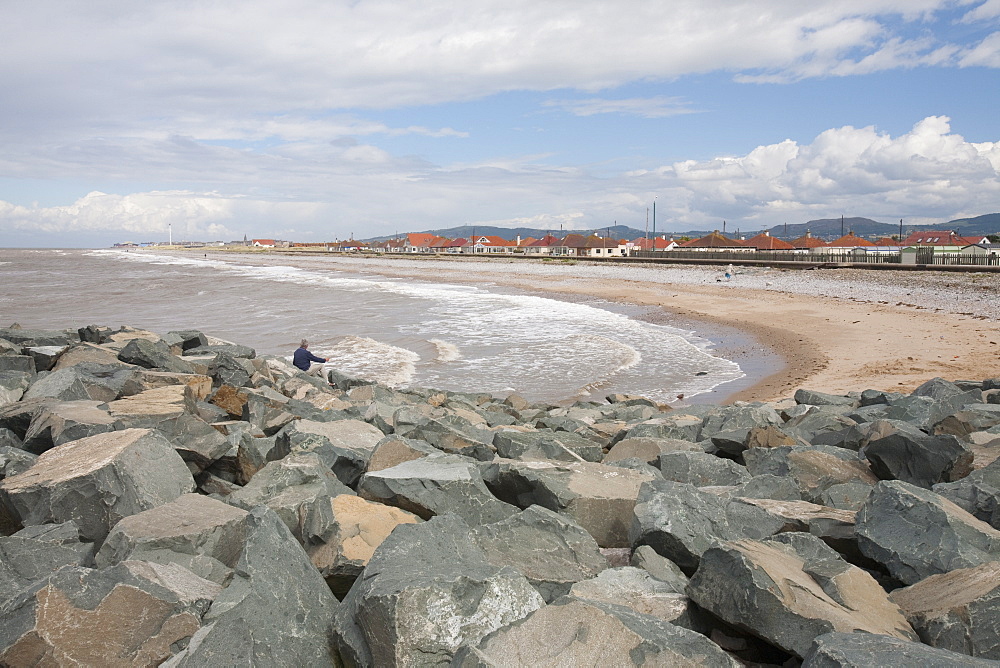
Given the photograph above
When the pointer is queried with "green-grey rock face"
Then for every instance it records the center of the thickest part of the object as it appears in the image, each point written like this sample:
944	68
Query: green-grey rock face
702	469
35	553
153	355
977	493
436	485
916	533
96	481
428	590
863	650
791	588
558	446
549	549
920	459
575	632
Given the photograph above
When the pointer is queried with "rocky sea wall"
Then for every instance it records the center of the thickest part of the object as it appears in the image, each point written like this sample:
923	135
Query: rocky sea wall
177	500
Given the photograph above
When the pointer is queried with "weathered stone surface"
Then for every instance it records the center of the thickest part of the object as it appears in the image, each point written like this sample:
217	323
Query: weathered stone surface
426	591
201	534
958	611
791	588
456	435
65	421
768	486
64	385
845	496
972	418
738	417
637	590
573	632
21	363
393	450
770	436
681	522
345	446
186	339
600	498
233	349
550	550
135	613
13	385
701	469
252	454
359	527
14	460
299	489
39	337
820	425
17	416
916	533
680	427
864	650
977	493
231	399
814	398
86	352
436	485
276	610
920	459
153	355
225	369
144	379
648	449
659	567
814	468
157	404
35	553
96	481
834	527
44	356
541	445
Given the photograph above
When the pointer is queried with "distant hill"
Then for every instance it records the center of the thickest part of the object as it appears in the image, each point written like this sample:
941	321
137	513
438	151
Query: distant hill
825	228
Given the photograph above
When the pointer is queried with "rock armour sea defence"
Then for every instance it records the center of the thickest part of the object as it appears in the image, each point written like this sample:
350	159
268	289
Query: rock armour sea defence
179	500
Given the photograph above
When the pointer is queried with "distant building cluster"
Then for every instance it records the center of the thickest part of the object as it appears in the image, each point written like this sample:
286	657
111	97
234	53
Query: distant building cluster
927	246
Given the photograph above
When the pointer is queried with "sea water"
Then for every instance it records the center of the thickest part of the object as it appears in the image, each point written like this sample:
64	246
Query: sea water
400	332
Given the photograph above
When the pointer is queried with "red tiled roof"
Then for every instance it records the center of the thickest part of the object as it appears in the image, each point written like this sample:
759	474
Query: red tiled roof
850	241
887	241
939	238
420	239
765	241
547	240
713	240
808	241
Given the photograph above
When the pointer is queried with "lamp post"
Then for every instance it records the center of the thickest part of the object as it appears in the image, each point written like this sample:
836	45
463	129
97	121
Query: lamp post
654	222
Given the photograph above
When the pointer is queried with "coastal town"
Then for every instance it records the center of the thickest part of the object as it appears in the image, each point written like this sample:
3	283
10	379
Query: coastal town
945	247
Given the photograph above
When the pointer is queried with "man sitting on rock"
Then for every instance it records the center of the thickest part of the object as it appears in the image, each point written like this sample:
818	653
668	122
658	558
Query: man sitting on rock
302	357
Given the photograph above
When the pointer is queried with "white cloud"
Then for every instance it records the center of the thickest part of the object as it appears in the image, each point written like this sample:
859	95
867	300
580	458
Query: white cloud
660	106
928	174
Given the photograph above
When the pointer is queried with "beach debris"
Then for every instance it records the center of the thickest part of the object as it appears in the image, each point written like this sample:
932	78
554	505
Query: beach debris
213	504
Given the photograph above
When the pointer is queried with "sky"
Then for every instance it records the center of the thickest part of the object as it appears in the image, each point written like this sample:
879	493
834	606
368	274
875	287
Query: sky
318	121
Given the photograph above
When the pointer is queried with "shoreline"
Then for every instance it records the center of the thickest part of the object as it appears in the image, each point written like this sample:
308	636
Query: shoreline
882	330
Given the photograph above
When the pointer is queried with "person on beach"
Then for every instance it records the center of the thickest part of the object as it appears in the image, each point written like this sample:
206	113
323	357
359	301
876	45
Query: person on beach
302	359
729	272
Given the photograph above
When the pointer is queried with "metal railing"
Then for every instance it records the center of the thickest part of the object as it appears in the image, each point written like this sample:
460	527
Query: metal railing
773	256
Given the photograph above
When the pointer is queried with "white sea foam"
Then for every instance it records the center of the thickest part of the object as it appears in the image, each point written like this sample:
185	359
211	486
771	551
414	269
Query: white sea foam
446	352
372	360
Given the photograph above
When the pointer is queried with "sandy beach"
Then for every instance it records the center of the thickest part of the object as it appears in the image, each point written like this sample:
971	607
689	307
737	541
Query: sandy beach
832	330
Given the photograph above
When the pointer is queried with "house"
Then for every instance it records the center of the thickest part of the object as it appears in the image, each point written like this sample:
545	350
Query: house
807	243
655	244
765	242
487	244
714	242
543	246
947	241
846	244
263	243
439	244
455	245
596	246
419	242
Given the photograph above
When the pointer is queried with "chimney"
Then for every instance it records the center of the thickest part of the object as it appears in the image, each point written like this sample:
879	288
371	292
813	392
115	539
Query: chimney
519	240
767	233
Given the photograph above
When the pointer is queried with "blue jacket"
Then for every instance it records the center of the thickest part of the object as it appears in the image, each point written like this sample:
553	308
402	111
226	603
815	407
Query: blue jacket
302	357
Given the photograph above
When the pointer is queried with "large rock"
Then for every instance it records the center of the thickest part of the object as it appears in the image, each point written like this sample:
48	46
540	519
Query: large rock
535	445
66	421
959	611
359	527
86	353
549	549
96	481
814	468
157	404
637	590
13	385
788	589
864	650
648	449
393	450
574	632
978	493
681	522
153	355
659	567
345	446
34	553
276	610
300	489
436	485
426	591
599	498
39	337
918	458
916	533
14	460
17	416
702	469
64	385
133	614
201	534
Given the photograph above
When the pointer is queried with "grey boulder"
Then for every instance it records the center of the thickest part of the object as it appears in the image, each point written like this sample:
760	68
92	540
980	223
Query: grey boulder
864	650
